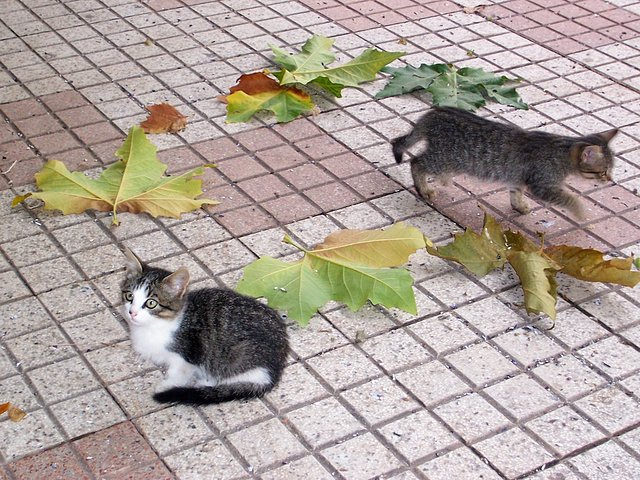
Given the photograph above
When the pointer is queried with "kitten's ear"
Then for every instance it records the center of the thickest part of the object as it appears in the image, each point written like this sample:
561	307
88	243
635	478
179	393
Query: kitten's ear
592	159
133	264
608	135
176	284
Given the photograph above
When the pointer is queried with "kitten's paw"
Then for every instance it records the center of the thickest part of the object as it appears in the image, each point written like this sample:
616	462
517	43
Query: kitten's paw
427	194
522	209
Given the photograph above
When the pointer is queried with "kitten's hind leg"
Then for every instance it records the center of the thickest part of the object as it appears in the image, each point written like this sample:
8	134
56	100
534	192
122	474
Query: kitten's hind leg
179	373
517	202
557	196
420	174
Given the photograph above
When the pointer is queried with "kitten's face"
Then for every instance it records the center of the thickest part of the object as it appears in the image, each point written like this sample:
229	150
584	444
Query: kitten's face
142	302
596	161
151	294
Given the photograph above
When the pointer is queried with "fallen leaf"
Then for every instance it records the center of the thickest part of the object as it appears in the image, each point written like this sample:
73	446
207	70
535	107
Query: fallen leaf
4	407
163	118
256	91
310	66
479	253
134	184
350	266
16	414
466	88
590	265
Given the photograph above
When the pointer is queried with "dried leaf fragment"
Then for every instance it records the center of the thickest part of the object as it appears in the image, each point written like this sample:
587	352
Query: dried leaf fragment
15	414
163	118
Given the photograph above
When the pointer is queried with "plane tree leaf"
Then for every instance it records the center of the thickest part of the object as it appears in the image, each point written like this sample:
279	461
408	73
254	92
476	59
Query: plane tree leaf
479	253
136	183
296	287
467	88
310	66
350	266
163	118
316	52
256	91
537	274
590	265
535	265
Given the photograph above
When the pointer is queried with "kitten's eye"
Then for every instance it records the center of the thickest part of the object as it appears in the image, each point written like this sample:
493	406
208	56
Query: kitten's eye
151	304
128	296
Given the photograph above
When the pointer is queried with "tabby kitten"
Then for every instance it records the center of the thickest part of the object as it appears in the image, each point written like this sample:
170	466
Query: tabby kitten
461	142
217	345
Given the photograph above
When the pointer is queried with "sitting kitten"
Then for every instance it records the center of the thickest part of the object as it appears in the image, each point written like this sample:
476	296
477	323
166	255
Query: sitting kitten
461	142
233	347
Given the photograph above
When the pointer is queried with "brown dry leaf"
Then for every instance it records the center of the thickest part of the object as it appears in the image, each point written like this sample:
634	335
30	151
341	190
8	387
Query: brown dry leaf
163	118
402	41
4	407
16	414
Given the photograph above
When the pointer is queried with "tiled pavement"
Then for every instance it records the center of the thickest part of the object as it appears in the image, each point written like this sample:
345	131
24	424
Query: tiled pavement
471	388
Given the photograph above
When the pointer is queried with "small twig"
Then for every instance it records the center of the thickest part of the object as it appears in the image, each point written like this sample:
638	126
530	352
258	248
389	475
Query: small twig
9	169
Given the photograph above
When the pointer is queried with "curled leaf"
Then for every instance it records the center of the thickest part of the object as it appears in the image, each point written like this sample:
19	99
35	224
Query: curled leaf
163	118
590	265
256	91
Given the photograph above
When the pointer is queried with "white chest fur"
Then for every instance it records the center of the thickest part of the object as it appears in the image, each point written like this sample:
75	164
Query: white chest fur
152	339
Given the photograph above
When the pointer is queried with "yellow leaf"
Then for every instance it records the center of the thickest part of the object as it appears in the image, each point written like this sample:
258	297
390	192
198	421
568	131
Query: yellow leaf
134	184
590	265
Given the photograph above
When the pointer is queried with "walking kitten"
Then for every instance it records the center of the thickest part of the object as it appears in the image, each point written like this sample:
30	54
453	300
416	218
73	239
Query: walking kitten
231	346
461	142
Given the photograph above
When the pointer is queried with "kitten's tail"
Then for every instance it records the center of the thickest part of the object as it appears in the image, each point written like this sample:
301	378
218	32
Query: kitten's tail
402	144
209	395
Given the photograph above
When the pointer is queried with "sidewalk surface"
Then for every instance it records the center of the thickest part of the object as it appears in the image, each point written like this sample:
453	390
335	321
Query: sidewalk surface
471	388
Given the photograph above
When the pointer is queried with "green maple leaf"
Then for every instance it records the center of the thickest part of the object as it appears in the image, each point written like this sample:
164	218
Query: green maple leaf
310	66
466	88
408	79
136	183
351	266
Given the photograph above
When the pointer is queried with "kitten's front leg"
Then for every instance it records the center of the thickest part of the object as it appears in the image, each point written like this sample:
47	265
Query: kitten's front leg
557	196
517	202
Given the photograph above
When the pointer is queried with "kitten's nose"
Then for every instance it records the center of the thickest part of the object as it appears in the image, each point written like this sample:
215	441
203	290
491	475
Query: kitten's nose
133	313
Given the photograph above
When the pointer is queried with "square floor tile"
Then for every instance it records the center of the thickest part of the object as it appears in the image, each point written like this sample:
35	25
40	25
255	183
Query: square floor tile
472	417
418	435
361	458
379	400
460	463
565	430
197	462
481	363
266	444
513	452
311	422
87	413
